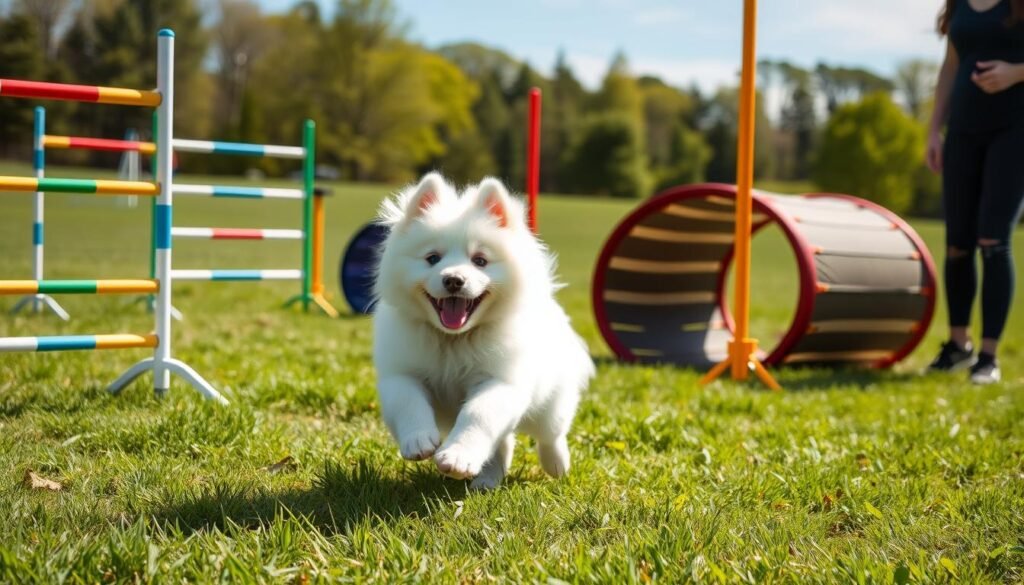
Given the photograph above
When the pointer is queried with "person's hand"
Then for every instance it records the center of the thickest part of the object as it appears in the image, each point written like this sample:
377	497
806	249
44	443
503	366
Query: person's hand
933	156
995	76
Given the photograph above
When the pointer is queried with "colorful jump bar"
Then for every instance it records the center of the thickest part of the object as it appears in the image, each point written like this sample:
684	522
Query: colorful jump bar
239	192
98	144
236	275
70	342
181	145
81	287
236	233
97	187
239	148
78	93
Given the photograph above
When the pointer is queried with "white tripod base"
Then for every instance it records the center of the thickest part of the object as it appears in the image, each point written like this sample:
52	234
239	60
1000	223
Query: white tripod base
38	302
160	386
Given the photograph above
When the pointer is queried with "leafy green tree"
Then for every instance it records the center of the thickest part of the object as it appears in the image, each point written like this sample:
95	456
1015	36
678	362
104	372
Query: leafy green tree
608	157
620	92
915	82
114	42
480	62
871	149
562	107
845	84
719	124
20	58
690	156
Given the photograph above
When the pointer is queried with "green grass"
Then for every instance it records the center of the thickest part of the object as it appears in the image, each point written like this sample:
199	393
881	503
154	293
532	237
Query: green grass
846	477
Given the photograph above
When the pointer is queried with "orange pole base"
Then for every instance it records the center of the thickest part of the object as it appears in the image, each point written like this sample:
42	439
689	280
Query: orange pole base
740	361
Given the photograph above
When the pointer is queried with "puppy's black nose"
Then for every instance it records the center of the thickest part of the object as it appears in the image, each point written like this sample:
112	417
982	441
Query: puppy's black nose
453	283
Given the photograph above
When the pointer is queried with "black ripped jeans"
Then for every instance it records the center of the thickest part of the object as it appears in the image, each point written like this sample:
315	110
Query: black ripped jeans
983	191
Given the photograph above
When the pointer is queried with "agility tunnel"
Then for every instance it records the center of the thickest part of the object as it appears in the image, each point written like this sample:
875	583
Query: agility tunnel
866	291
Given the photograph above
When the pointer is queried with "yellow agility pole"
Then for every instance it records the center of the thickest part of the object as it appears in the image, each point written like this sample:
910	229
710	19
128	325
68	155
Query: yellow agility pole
742	348
317	280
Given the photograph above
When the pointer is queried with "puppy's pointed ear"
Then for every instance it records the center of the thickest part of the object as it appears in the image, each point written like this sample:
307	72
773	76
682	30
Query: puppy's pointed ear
494	198
425	195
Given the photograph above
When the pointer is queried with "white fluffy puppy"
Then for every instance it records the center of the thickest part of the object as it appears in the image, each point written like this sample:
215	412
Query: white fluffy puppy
470	345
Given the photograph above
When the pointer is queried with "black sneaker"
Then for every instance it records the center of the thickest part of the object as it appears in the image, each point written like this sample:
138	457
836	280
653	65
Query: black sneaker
985	370
953	358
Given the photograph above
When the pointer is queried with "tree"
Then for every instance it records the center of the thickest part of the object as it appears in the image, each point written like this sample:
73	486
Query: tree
480	62
676	152
718	121
563	106
608	157
20	58
871	149
915	81
113	43
239	38
844	84
690	156
619	91
49	17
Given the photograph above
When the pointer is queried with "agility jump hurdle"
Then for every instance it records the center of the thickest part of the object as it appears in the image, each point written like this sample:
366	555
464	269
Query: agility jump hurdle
161	364
310	275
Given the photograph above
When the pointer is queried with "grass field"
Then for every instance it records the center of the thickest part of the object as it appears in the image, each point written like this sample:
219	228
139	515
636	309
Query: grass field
846	477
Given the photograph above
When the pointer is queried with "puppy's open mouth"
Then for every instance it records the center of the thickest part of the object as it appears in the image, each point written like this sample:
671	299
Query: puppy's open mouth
454	312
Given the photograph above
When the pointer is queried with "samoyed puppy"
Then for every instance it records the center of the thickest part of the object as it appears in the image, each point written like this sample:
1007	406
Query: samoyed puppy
470	345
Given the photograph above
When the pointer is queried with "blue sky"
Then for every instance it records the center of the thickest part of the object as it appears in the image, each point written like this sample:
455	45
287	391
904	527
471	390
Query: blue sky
682	41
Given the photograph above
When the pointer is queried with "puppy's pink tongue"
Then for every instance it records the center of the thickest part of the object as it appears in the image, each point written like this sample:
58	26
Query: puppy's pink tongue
454	312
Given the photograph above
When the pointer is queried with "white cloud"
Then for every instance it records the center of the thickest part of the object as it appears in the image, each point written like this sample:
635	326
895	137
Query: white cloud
865	26
707	74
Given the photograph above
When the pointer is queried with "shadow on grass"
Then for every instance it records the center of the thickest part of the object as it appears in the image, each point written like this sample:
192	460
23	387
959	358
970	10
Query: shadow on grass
340	496
792	378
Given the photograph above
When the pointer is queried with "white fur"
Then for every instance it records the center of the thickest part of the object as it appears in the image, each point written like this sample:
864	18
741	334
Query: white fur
516	364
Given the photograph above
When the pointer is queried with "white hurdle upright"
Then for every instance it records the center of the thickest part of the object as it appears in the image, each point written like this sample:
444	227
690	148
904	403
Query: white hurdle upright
39	300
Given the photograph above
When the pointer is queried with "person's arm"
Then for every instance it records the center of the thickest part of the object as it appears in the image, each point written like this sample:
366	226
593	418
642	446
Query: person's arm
940	112
995	76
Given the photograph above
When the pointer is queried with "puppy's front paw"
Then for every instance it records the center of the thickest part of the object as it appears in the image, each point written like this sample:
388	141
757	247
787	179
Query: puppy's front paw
419	446
459	462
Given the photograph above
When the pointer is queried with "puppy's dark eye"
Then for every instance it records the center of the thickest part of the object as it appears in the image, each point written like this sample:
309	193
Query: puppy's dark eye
480	261
433	258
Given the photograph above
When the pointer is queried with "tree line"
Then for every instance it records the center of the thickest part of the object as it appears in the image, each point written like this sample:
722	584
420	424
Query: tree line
388	109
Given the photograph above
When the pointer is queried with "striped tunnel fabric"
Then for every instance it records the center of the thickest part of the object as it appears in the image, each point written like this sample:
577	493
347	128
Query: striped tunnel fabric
72	342
865	279
238	192
236	275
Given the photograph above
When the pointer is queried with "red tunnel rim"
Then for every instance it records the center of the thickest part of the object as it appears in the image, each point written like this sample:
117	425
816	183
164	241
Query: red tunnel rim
801	250
926	258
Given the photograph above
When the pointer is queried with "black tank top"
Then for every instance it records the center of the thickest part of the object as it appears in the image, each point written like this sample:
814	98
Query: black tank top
984	36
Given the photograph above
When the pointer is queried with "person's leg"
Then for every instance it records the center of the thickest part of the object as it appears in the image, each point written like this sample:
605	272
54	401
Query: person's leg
1000	210
963	161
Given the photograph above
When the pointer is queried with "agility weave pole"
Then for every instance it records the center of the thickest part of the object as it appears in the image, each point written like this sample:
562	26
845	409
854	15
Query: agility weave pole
162	364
